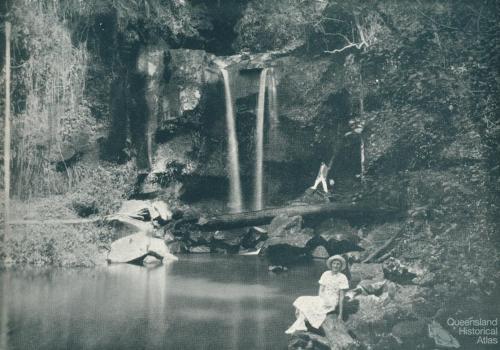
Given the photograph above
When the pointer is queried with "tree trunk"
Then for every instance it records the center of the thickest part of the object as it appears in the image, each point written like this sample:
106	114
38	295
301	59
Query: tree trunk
362	156
265	216
6	156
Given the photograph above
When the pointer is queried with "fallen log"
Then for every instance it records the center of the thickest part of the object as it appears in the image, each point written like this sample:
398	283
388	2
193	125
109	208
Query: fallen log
373	256
265	216
53	221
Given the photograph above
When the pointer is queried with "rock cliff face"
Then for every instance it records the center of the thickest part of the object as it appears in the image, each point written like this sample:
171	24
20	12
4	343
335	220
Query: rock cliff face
187	106
316	101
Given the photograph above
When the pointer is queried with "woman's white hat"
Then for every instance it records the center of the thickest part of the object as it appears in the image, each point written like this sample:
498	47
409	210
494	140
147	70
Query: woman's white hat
338	258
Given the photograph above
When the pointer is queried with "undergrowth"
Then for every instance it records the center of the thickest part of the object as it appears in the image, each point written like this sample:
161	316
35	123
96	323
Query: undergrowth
51	120
104	186
57	245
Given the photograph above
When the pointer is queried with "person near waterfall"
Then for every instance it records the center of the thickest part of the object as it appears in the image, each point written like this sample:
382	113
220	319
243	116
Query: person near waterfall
314	309
322	174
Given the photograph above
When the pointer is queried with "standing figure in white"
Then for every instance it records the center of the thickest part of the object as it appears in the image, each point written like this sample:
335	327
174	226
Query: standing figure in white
322	174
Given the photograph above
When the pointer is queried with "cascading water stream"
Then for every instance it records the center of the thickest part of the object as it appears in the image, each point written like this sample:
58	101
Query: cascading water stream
259	142
275	141
273	101
235	201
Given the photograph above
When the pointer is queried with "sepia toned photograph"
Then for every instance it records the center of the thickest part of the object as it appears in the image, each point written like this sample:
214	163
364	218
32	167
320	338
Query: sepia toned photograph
249	174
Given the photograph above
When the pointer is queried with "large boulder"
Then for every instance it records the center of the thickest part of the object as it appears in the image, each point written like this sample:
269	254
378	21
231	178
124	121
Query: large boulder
299	239
288	230
411	332
425	279
369	320
376	315
288	241
320	252
197	237
125	225
145	210
177	247
338	334
200	249
371	287
160	211
138	216
311	196
230	237
136	247
341	243
308	340
253	236
339	236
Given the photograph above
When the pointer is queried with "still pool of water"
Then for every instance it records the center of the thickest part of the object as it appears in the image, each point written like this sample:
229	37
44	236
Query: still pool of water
198	302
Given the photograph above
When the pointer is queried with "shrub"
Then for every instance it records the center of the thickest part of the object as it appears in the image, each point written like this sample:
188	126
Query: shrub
273	25
104	187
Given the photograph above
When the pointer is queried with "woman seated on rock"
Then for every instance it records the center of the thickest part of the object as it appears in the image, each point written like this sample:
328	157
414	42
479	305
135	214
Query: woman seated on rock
314	309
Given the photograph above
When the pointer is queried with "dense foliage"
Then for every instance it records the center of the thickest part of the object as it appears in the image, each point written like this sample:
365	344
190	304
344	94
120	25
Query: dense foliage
420	77
425	88
50	115
274	25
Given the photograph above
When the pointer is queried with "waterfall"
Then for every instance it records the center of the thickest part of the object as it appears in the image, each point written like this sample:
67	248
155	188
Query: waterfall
259	142
235	201
273	101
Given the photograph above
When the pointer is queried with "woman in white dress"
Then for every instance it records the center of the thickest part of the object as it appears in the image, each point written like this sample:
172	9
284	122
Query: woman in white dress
314	309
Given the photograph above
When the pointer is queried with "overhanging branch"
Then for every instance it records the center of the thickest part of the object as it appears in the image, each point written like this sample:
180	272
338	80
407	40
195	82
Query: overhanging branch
359	45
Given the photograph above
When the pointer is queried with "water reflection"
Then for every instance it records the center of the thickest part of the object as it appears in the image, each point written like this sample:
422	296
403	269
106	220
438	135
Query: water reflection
196	303
4	312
